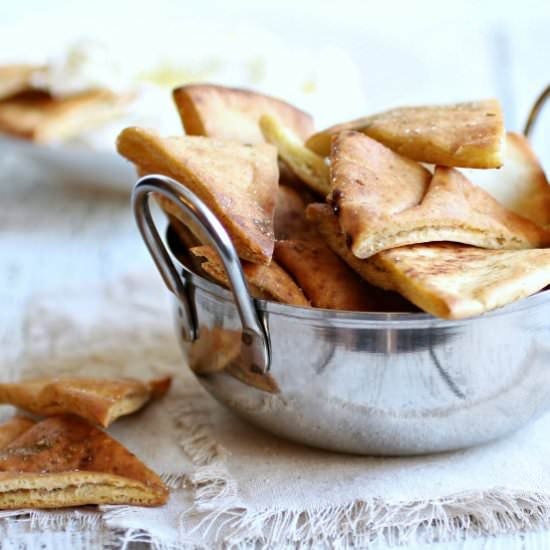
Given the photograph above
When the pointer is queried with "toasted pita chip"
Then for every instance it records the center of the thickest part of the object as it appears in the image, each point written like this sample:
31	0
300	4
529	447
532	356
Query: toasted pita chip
64	461
326	280
15	79
307	165
370	184
38	117
445	279
261	381
214	350
456	281
465	134
269	282
520	185
238	182
327	225
100	401
290	218
233	114
13	428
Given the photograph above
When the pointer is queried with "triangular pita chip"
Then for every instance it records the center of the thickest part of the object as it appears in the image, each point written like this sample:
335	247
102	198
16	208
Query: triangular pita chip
445	279
64	461
308	166
233	114
520	185
13	428
269	282
238	182
464	134
370	183
100	401
38	117
15	79
290	218
327	281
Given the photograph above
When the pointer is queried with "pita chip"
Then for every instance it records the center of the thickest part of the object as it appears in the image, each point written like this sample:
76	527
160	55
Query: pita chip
13	428
15	79
464	134
268	282
325	279
308	166
100	401
64	461
520	185
39	117
237	182
234	114
370	186
456	281
448	280
326	223
290	218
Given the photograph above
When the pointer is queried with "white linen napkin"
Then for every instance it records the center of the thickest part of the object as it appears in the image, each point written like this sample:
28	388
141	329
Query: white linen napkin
235	485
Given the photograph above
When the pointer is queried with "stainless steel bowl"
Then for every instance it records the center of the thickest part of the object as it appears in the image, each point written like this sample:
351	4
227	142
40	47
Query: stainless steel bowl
368	383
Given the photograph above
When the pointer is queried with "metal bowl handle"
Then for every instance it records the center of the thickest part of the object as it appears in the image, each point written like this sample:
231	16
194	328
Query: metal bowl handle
535	111
255	350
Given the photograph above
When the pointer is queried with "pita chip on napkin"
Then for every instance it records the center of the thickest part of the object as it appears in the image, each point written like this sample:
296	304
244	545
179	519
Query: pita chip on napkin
308	166
269	282
520	185
327	281
370	185
448	280
64	461
464	134
233	114
39	117
290	217
237	182
13	428
100	401
15	79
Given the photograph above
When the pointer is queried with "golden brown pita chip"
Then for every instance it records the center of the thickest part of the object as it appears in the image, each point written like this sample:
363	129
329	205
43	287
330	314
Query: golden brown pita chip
233	114
261	381
100	401
214	350
455	281
238	182
290	218
268	282
13	428
465	134
305	164
15	79
39	117
520	185
370	183
445	279
327	281
64	461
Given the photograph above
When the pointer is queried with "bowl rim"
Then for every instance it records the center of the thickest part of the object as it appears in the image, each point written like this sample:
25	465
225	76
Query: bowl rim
366	318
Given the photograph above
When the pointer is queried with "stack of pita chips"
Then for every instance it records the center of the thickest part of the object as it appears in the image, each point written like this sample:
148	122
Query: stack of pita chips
30	111
436	204
65	460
